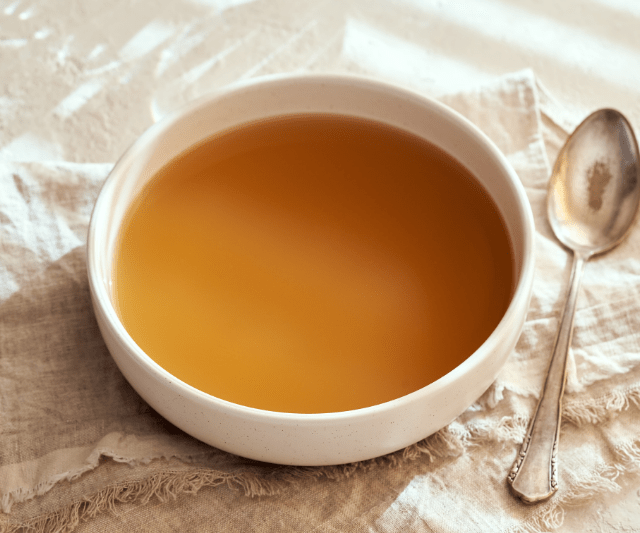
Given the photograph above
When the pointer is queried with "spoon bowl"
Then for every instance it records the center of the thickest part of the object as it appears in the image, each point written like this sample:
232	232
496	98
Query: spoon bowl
593	198
593	192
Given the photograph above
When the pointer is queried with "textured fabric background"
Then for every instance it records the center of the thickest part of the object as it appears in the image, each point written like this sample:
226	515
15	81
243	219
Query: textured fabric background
79	448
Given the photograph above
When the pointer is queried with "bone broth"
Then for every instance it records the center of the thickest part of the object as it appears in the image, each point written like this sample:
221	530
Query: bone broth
312	263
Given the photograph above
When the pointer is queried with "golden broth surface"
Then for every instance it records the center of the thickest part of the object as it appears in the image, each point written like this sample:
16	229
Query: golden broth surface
313	263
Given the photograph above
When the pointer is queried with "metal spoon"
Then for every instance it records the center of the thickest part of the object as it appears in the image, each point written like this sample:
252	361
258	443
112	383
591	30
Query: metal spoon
592	200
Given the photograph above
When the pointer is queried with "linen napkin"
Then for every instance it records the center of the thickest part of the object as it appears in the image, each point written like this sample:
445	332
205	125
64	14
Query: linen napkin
80	450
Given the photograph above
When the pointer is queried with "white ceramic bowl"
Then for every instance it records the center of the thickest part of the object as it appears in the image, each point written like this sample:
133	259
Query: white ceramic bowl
310	439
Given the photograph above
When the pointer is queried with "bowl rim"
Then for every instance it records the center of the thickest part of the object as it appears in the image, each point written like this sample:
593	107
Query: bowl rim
101	297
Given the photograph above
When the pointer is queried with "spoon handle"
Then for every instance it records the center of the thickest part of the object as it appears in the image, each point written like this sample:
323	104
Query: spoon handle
534	476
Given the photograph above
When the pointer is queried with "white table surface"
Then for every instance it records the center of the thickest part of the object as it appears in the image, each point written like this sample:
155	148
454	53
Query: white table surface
81	79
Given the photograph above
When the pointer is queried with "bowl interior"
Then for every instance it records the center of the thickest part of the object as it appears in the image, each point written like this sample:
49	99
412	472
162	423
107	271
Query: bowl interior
281	96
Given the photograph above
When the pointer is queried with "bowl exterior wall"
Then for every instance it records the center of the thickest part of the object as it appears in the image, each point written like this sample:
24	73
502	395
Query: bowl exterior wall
300	440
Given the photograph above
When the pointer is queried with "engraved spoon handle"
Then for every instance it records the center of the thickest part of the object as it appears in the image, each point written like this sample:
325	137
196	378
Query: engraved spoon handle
534	476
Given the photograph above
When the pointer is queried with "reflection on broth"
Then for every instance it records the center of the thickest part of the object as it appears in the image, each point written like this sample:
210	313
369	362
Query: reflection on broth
312	263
